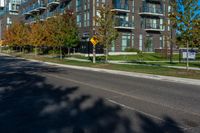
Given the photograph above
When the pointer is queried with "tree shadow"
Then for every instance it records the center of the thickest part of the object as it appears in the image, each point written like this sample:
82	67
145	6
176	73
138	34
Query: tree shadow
168	125
30	104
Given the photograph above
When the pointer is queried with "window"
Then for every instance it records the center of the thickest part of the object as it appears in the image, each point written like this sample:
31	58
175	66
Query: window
161	42
133	40
86	20
78	5
141	42
78	20
113	46
149	43
125	41
133	6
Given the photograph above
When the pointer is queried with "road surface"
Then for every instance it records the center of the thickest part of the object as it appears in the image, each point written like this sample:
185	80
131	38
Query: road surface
38	98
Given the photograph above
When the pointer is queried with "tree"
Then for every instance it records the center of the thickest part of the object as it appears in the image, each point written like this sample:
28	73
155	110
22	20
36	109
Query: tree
38	35
105	31
183	17
196	34
16	35
71	37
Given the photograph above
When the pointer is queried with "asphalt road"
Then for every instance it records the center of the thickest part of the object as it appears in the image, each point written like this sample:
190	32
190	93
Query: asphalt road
36	98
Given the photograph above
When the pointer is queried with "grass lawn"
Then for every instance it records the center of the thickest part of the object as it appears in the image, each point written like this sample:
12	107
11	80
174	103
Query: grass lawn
148	58
157	70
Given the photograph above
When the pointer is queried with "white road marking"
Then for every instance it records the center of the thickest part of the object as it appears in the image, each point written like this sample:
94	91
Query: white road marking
141	112
121	93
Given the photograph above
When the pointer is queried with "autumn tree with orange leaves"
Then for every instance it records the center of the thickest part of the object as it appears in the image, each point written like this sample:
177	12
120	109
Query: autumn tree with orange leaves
17	35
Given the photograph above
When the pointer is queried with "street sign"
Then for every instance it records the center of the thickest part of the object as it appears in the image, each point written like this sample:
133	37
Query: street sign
191	55
94	40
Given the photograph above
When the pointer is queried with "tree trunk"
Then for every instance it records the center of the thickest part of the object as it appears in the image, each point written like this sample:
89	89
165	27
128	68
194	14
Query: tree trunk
20	49
187	66
23	49
53	51
60	52
106	54
68	51
35	50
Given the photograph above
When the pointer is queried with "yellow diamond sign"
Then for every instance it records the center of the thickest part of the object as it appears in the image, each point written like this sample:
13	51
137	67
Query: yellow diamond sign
94	40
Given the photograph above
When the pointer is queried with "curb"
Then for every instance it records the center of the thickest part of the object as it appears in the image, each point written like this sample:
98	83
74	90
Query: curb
123	73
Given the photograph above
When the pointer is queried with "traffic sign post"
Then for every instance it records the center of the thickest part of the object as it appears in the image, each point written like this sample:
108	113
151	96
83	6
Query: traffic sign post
94	42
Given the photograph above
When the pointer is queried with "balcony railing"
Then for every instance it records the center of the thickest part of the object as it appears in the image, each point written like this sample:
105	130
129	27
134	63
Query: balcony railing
40	6
153	27
124	25
53	2
26	11
151	11
33	9
50	14
43	17
120	7
155	1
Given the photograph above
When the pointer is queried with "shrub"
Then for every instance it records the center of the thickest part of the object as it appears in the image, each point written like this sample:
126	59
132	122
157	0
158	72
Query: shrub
131	50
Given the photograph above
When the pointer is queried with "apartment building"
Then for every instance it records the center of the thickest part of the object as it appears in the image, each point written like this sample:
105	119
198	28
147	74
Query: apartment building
9	11
140	23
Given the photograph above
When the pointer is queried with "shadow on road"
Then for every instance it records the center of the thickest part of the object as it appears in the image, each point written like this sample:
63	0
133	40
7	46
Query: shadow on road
29	104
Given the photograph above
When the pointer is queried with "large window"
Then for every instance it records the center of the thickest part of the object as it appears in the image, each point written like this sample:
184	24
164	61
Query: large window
78	20
78	5
141	42
161	42
149	43
86	20
125	41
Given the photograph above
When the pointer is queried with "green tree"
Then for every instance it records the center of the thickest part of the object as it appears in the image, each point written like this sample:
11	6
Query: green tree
71	37
105	31
183	18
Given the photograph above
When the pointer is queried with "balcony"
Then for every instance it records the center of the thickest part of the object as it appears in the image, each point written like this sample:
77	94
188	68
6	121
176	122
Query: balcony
154	27
118	7
151	11
53	2
154	1
40	6
33	9
26	12
32	20
50	14
14	10
42	17
125	25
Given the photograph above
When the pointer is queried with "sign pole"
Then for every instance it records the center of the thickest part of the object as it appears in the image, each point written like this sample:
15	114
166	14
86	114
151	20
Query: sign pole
94	54
187	66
